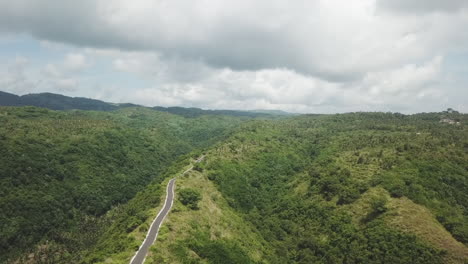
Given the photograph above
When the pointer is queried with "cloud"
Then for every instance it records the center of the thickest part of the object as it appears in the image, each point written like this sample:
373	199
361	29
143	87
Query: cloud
302	56
225	88
407	87
75	62
65	84
64	76
403	88
409	78
21	76
14	76
422	6
334	40
51	71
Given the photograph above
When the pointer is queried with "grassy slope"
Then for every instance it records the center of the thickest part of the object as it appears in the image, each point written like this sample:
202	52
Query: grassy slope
130	221
214	220
407	216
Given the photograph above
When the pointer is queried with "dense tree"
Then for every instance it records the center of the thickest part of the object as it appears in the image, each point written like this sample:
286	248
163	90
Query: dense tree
61	172
316	188
263	169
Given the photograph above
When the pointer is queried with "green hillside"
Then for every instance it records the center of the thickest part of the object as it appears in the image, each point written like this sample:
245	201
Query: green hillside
84	186
60	172
352	188
329	189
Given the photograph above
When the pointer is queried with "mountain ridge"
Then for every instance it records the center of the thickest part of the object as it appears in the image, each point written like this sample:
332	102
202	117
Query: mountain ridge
61	102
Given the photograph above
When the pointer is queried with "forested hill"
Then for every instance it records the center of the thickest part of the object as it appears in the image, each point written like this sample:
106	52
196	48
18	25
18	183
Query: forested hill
196	112
61	171
84	186
61	102
55	102
348	188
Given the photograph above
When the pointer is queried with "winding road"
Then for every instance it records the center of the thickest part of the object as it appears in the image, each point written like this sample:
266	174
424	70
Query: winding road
140	255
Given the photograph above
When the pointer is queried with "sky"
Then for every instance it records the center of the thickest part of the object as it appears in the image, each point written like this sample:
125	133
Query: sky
314	56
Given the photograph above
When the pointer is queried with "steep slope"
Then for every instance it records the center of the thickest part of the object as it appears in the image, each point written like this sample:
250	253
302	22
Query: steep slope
403	214
353	188
209	231
60	172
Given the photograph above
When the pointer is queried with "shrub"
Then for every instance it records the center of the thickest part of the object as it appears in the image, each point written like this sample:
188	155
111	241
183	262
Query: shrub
190	198
379	204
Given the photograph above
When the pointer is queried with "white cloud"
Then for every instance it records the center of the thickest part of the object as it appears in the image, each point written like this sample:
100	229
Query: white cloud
14	76
75	62
403	88
409	78
21	76
50	70
407	87
65	84
335	39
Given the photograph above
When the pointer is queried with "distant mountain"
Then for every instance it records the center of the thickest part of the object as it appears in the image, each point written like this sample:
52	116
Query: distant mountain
62	102
273	112
196	112
55	102
9	99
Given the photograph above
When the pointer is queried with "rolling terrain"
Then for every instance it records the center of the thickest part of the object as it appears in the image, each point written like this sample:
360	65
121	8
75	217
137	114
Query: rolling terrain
352	188
62	171
84	186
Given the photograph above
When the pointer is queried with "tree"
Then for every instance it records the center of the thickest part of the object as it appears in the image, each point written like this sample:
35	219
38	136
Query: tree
379	205
190	198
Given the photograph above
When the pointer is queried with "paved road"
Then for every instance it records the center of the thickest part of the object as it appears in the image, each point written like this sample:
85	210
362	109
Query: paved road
140	255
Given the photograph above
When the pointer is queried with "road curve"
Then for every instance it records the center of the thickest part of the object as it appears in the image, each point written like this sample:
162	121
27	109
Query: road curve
140	255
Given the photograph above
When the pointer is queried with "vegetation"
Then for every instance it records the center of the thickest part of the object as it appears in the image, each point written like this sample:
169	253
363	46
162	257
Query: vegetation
61	172
190	198
347	188
214	233
127	224
296	180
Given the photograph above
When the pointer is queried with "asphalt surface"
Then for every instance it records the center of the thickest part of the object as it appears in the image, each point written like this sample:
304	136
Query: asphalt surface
140	255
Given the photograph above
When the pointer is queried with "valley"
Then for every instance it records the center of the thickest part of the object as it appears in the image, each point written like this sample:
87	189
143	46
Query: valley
85	187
